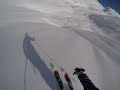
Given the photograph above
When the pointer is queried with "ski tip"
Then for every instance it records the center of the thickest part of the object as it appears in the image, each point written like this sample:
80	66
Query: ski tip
62	69
51	65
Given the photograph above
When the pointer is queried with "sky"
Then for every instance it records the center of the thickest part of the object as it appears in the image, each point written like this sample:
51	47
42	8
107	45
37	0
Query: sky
114	4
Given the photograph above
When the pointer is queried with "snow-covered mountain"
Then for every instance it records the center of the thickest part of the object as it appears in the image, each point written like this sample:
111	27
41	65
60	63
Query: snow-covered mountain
66	33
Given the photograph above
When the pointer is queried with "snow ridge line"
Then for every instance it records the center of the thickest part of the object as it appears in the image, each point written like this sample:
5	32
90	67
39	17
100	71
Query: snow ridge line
52	66
25	74
25	88
61	68
47	54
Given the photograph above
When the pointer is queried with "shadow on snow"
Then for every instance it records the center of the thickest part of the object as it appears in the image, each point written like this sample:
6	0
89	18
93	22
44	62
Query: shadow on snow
38	63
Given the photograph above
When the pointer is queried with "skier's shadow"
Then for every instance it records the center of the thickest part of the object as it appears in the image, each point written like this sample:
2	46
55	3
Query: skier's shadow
38	63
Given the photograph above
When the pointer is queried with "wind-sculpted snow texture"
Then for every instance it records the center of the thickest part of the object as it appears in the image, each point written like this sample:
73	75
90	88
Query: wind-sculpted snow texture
66	33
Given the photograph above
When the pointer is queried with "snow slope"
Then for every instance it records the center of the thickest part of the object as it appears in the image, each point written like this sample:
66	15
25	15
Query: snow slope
67	33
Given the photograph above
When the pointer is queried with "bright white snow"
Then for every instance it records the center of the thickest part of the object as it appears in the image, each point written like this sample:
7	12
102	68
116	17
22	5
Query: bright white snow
67	33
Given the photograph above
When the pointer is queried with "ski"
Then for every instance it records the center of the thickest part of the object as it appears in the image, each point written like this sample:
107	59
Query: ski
57	76
67	78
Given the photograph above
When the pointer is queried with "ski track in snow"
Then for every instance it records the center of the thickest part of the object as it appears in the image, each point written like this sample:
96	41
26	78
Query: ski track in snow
67	33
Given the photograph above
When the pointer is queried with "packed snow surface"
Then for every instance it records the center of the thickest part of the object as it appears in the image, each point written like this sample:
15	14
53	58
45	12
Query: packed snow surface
66	33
